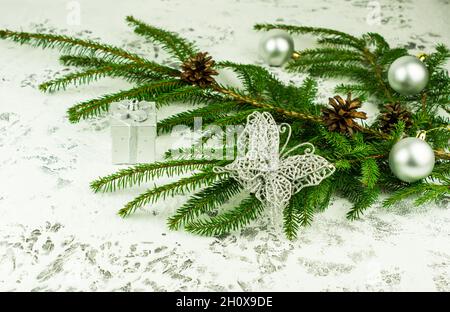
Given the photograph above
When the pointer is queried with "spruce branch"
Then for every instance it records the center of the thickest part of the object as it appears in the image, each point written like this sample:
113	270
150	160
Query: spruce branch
308	201
83	61
370	172
319	196
248	210
204	201
319	31
136	175
71	45
291	216
257	80
130	72
209	114
77	78
132	68
236	118
292	114
438	58
171	42
97	106
442	154
161	192
357	90
330	61
188	95
378	70
247	100
363	200
306	215
423	191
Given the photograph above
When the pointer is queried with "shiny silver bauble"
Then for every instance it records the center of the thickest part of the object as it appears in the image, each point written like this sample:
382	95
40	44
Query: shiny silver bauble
411	159
408	75
276	47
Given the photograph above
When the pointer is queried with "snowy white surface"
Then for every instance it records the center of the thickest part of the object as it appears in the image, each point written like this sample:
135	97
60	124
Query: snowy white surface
56	235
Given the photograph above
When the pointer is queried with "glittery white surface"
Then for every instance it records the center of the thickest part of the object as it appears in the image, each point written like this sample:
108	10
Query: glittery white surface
56	235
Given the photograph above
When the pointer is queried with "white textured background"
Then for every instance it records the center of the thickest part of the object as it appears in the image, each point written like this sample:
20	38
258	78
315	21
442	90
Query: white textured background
56	235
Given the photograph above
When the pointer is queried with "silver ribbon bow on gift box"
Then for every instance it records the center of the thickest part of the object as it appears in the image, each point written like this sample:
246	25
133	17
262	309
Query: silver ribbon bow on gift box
131	111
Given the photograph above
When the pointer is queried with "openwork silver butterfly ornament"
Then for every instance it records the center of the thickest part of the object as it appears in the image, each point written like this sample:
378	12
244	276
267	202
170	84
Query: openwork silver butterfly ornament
265	169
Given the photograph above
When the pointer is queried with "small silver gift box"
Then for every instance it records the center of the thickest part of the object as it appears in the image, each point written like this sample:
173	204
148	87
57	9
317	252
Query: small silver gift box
133	132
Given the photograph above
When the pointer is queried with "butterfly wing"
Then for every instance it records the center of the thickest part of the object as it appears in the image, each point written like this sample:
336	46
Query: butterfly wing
259	142
258	151
305	170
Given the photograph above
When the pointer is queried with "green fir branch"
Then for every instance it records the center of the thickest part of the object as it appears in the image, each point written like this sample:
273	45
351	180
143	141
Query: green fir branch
78	78
291	216
204	201
131	68
249	209
171	42
83	61
187	95
378	41
370	172
318	31
71	45
97	106
179	187
424	192
236	118
130	72
357	90
365	198
257	81
438	58
208	114
141	173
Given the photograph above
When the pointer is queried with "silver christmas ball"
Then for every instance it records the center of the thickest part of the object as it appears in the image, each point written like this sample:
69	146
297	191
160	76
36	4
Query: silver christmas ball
411	159
276	47
408	75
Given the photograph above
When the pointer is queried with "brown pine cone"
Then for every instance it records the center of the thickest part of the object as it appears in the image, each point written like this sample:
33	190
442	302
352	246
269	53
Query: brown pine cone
198	70
341	116
391	115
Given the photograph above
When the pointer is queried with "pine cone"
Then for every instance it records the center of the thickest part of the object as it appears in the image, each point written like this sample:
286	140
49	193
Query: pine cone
391	115
341	117
198	70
